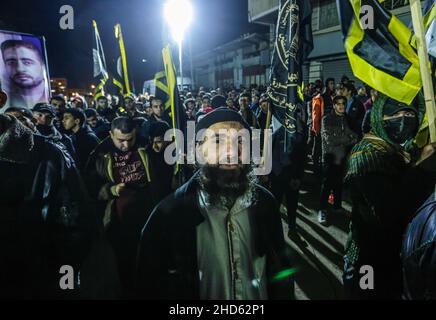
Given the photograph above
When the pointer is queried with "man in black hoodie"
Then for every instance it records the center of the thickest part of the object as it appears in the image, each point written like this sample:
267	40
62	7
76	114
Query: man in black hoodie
84	140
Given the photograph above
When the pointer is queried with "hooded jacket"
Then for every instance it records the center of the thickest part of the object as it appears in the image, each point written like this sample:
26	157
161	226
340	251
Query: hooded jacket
46	221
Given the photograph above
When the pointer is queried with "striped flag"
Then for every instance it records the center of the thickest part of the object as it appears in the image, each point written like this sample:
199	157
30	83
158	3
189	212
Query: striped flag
382	56
99	62
121	80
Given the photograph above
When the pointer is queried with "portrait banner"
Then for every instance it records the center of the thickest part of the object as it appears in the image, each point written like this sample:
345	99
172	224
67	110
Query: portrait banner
24	72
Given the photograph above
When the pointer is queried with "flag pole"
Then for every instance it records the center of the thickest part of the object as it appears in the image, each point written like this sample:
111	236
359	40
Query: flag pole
265	135
418	26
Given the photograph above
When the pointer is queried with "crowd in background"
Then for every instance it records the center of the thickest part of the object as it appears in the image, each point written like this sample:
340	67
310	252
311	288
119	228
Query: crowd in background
107	156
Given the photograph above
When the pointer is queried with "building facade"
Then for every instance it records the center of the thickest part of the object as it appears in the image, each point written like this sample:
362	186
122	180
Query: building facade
328	59
241	62
247	60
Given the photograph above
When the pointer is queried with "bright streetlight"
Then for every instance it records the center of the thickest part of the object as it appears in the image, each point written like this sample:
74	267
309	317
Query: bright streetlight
178	14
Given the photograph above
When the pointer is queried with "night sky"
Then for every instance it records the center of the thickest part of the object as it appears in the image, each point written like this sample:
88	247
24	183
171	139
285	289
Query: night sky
70	51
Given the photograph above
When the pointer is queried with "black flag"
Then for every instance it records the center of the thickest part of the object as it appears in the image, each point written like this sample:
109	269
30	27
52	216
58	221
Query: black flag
293	44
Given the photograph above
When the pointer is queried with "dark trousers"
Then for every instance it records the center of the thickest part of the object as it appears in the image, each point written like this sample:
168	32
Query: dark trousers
316	153
310	139
280	187
332	175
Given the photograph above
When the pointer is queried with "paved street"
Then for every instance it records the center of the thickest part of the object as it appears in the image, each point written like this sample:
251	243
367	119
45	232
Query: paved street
319	258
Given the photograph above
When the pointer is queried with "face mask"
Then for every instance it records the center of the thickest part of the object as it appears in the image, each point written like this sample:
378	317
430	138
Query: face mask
401	129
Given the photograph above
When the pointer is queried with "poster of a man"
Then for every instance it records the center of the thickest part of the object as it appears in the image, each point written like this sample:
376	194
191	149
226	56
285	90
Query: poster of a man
23	69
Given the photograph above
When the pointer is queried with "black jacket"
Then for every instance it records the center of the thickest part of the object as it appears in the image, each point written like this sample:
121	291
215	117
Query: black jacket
419	253
167	259
107	113
355	115
383	204
45	222
59	138
84	141
102	129
250	117
337	138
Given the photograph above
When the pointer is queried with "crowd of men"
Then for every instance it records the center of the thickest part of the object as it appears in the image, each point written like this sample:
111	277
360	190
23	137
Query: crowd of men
85	183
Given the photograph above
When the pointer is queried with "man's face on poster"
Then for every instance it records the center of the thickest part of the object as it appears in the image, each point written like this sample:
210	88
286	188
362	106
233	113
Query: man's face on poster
24	67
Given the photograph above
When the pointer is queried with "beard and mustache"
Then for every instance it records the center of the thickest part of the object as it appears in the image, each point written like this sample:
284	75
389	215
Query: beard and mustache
224	186
25	81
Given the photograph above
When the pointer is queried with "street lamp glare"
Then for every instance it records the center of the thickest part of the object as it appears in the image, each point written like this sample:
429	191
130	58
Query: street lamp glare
178	14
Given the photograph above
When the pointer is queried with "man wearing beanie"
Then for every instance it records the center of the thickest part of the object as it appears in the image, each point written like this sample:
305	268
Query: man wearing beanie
219	236
389	179
45	219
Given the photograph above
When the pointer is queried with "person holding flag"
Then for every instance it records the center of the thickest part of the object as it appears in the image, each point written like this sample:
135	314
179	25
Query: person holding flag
388	176
292	46
166	104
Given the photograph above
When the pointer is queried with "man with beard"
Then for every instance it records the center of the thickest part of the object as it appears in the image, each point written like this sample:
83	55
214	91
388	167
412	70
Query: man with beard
45	220
118	176
59	104
219	236
26	70
389	179
45	114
